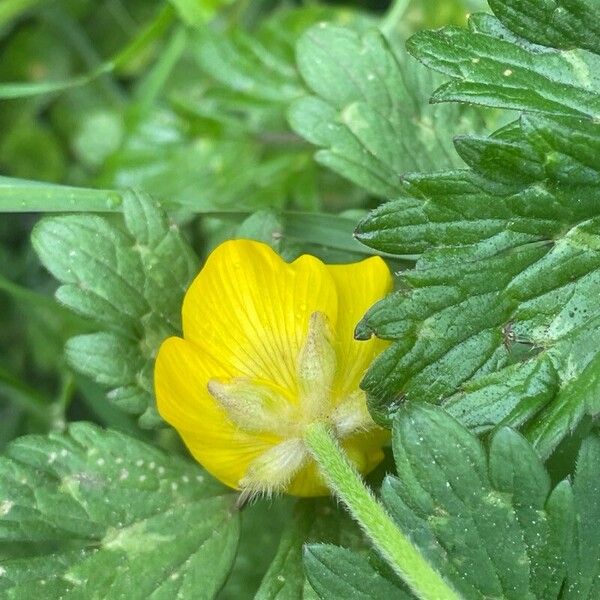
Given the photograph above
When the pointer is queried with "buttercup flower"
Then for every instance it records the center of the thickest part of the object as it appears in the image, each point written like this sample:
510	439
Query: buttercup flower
268	349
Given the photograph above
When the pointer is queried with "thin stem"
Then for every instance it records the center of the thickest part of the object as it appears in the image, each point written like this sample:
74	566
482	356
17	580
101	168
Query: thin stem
60	406
393	16
151	85
152	32
72	31
24	396
394	545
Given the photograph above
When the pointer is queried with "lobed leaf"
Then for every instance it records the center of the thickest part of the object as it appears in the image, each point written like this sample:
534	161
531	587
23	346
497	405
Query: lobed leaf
491	525
130	280
557	23
339	573
255	76
498	319
104	515
369	112
489	65
584	558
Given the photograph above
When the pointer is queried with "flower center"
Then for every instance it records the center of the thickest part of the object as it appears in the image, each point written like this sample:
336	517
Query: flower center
261	408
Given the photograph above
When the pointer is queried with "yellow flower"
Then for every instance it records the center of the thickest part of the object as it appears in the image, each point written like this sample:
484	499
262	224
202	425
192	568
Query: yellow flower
267	349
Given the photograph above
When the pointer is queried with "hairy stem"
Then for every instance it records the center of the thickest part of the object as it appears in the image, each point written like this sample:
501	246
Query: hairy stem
393	545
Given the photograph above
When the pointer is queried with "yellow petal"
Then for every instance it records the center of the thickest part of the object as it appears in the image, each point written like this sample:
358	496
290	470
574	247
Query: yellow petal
250	310
364	448
308	482
359	286
181	380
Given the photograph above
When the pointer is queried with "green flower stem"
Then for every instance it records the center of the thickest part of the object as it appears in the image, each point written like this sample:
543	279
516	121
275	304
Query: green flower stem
394	546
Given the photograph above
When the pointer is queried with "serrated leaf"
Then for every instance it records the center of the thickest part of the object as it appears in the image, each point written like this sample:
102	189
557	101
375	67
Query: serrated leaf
495	272
370	111
509	260
509	397
129	279
107	516
313	520
336	573
490	66
162	157
244	64
486	520
536	148
557	23
583	582
491	526
284	579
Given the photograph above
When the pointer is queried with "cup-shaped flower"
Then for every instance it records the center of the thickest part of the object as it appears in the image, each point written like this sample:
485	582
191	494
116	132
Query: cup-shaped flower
268	349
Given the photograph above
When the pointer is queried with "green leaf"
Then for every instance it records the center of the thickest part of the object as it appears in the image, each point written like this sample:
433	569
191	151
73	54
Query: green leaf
246	65
261	67
105	515
486	519
253	77
19	195
284	579
584	559
339	573
262	523
577	398
161	157
130	279
369	112
489	66
510	396
498	320
490	524
558	23
313	520
498	270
